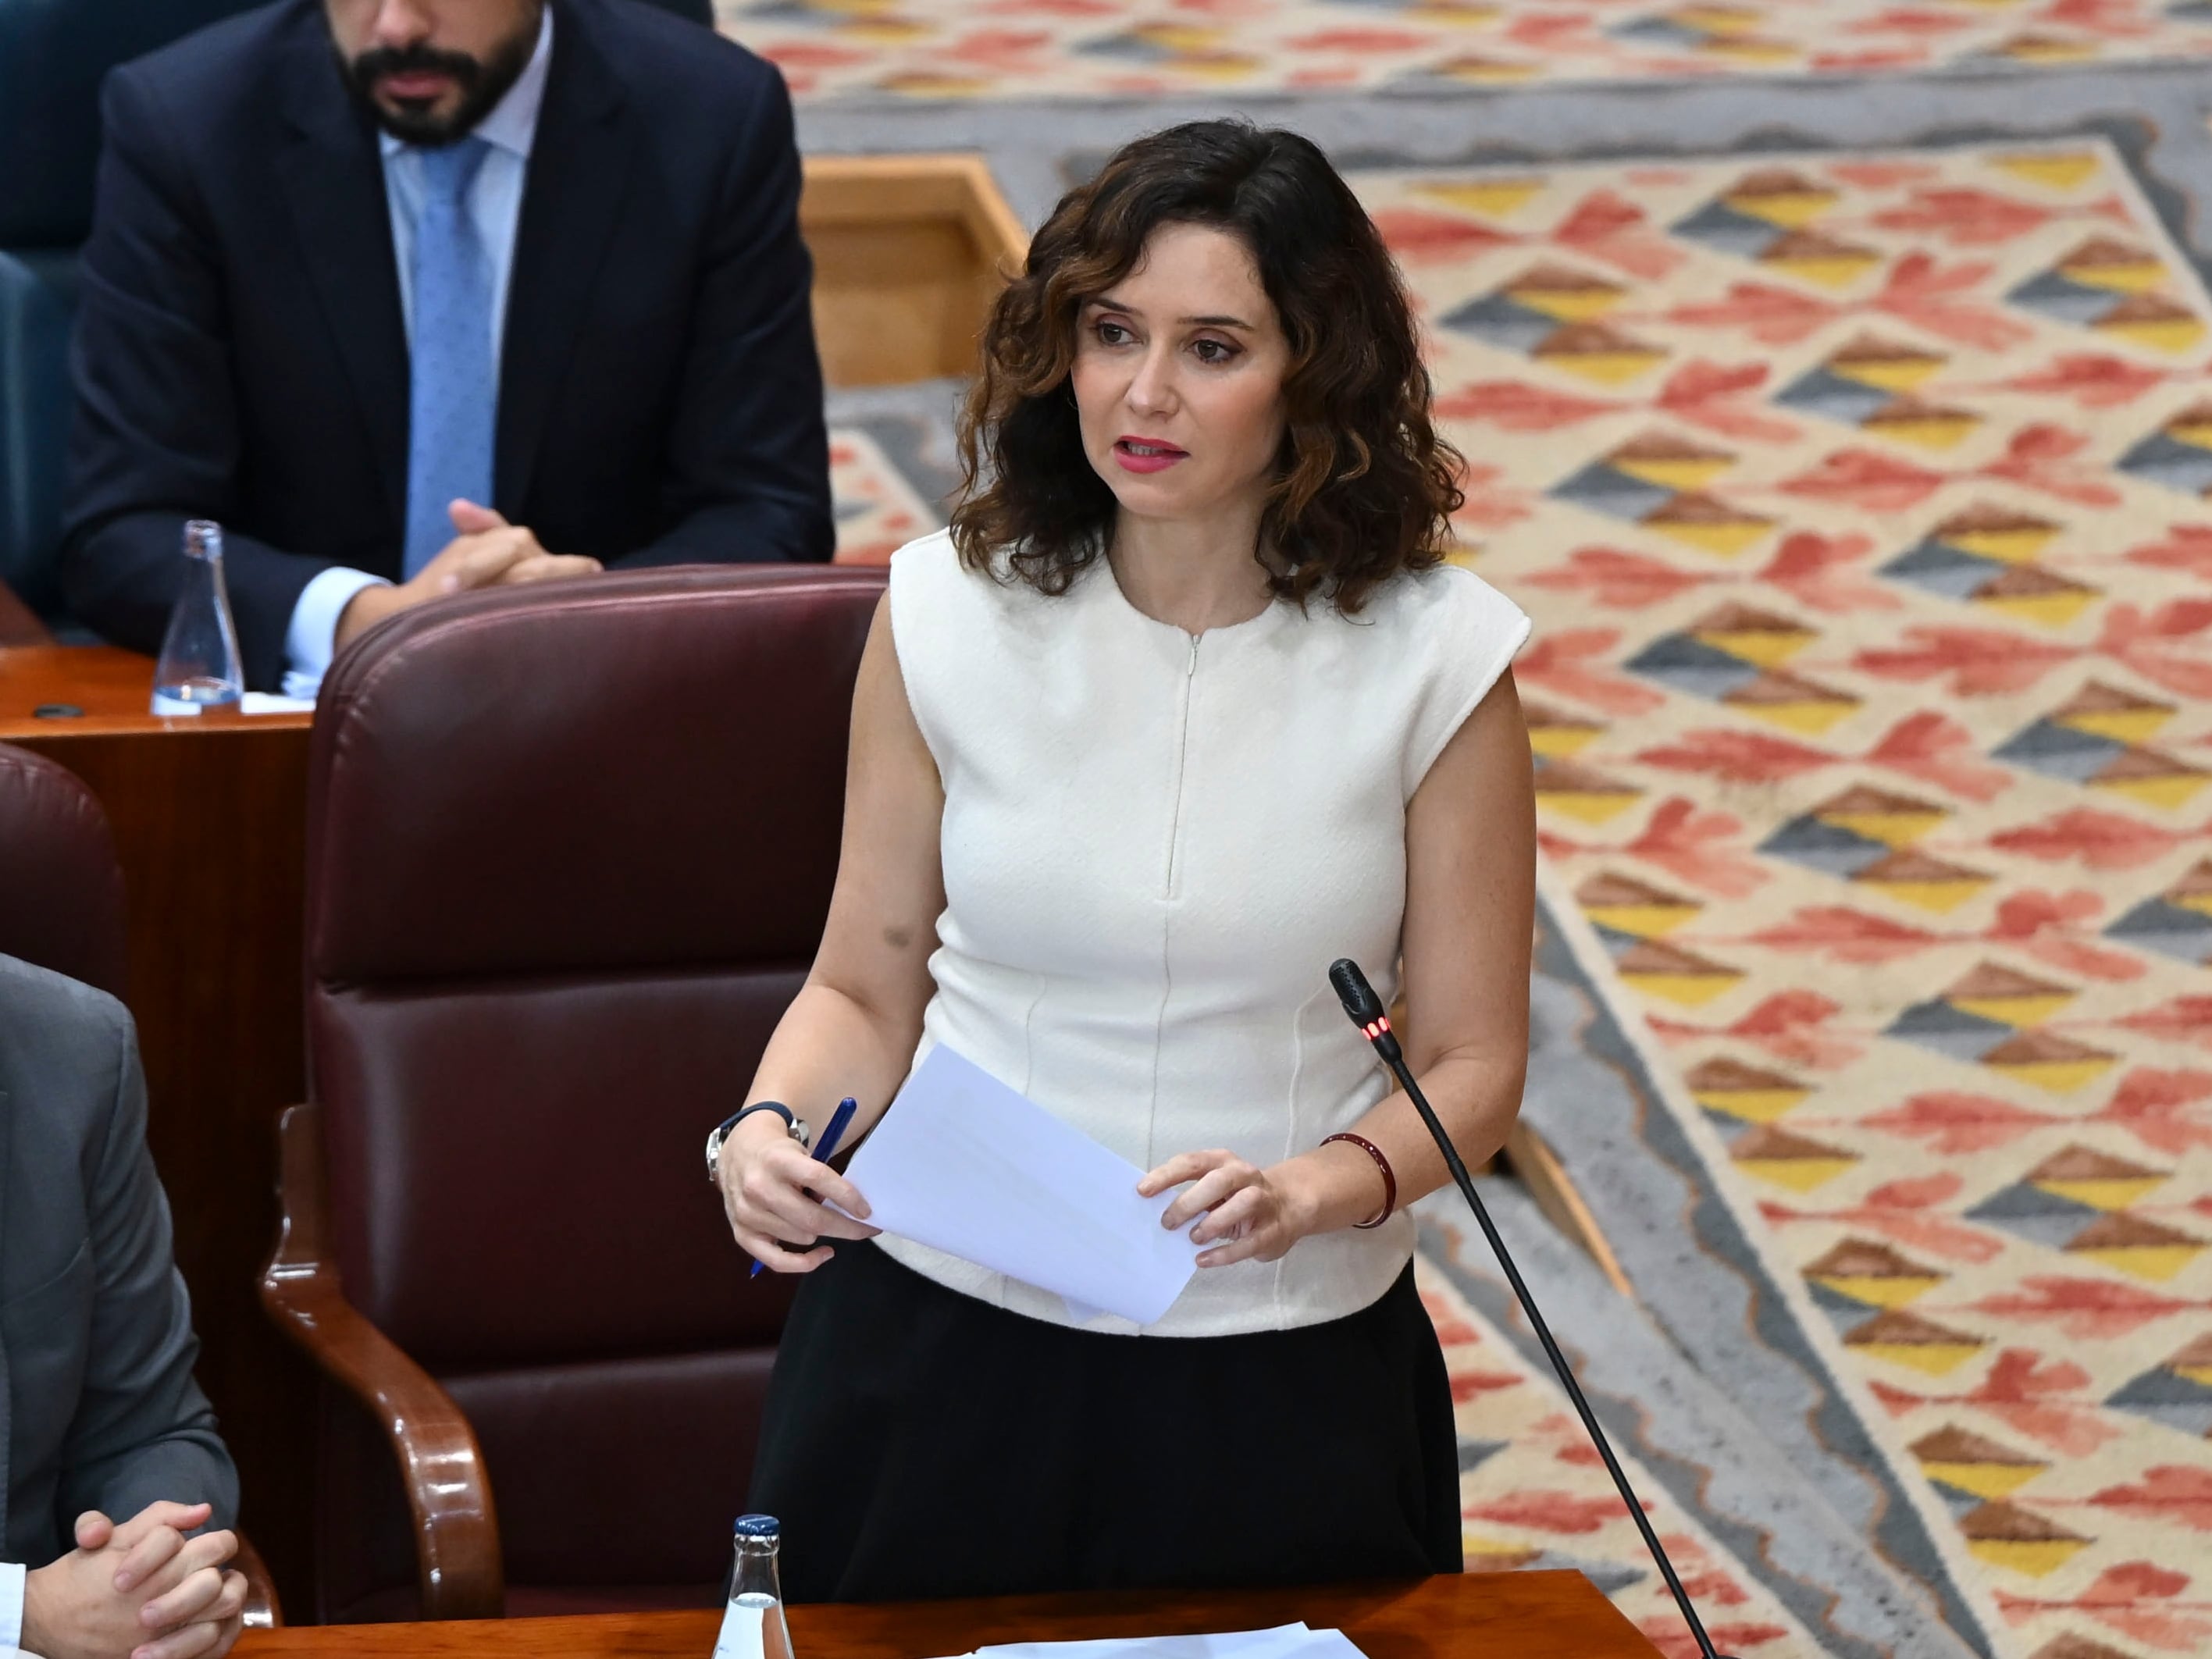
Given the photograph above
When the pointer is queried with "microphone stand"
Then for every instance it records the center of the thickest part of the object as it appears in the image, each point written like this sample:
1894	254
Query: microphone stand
1368	1013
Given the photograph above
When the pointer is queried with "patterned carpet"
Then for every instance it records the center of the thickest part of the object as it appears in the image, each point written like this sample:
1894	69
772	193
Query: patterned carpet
1535	1494
959	49
1849	440
1859	505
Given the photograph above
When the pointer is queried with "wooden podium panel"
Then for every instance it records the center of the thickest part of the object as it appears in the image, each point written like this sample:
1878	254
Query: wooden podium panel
1492	1615
909	251
210	815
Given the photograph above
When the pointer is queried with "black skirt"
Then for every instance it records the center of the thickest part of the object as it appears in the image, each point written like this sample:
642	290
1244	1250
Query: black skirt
918	1442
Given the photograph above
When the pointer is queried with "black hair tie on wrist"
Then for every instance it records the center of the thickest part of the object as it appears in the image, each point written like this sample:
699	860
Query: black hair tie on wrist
790	1119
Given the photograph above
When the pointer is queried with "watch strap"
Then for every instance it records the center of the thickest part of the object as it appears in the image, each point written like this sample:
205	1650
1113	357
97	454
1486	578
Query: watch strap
793	1126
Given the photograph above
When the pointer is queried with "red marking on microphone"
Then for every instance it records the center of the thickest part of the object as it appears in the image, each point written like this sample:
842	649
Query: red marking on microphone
1377	1028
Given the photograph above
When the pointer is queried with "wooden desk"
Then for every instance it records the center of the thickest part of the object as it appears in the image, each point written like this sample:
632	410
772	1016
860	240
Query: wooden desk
1557	1615
209	814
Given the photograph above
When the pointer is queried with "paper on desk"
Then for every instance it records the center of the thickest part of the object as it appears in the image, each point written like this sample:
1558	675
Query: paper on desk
268	702
1285	1642
964	1164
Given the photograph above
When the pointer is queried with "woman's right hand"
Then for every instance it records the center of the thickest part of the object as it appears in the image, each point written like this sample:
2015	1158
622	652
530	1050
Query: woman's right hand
772	1192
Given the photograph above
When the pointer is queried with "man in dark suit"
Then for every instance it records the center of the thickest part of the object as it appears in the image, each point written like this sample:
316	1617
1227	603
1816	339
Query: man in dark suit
99	1413
418	295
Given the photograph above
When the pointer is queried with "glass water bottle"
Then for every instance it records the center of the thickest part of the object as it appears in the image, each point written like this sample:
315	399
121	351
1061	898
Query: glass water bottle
752	1623
199	667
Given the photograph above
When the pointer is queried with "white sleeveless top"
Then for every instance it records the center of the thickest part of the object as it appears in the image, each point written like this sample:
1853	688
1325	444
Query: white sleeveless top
1154	845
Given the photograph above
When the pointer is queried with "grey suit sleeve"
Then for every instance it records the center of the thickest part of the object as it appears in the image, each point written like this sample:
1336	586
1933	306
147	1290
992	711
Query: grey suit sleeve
142	1430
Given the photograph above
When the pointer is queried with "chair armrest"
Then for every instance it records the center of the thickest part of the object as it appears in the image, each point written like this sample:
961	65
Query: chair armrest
263	1610
457	1550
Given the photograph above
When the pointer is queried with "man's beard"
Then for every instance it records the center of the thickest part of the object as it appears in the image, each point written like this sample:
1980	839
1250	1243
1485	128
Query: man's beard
483	83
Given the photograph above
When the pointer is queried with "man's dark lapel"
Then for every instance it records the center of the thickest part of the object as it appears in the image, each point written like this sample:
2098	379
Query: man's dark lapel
579	169
333	183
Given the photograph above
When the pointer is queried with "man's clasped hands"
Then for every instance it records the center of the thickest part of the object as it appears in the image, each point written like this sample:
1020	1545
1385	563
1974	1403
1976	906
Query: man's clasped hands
486	551
140	1590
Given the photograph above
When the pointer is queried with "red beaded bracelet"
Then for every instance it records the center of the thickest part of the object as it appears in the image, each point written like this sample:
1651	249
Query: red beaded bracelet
1390	1179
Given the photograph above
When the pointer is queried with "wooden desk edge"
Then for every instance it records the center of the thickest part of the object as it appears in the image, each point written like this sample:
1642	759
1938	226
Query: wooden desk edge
1447	1617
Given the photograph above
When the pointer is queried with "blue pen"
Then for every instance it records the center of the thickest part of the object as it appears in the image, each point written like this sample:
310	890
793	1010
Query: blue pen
840	1120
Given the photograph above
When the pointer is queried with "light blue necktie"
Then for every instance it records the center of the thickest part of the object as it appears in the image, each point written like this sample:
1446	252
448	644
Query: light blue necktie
453	396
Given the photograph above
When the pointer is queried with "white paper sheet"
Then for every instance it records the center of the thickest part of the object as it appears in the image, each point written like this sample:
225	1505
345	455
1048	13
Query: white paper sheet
268	702
1285	1641
964	1164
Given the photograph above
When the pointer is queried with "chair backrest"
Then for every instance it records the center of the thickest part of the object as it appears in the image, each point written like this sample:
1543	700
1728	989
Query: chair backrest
569	856
61	888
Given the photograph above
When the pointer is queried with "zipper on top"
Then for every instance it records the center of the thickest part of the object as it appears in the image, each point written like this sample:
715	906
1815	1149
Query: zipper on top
1182	754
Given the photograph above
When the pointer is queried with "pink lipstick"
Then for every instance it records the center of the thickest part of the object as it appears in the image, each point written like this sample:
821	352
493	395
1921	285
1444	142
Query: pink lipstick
1138	455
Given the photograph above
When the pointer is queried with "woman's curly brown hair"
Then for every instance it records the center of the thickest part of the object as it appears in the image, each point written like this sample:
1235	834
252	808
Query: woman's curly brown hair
1363	487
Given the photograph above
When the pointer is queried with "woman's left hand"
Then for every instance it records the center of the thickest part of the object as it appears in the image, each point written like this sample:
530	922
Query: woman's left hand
1251	1214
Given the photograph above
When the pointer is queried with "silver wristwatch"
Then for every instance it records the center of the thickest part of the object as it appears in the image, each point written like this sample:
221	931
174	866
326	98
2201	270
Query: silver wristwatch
795	1126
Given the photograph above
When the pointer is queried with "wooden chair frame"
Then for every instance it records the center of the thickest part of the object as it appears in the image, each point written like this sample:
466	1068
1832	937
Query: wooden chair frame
457	1552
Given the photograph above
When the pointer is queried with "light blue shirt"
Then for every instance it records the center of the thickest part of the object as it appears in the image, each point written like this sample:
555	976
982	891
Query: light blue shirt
11	1608
495	204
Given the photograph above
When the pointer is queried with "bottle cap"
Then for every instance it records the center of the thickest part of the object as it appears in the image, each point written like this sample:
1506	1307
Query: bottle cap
758	1525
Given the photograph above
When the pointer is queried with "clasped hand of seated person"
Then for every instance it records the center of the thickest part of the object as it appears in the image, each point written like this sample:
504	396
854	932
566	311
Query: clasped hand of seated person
486	551
141	1589
775	1193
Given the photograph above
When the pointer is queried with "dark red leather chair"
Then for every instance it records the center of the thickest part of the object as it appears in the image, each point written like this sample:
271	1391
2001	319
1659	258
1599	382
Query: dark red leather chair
61	889
569	855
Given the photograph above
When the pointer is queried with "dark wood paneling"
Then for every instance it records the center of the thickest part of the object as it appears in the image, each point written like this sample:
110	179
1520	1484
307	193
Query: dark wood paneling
1557	1615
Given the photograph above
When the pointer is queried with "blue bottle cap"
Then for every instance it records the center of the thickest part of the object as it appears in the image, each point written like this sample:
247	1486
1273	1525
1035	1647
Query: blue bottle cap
758	1525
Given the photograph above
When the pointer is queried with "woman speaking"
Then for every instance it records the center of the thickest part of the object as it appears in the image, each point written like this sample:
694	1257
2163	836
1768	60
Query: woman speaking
1184	707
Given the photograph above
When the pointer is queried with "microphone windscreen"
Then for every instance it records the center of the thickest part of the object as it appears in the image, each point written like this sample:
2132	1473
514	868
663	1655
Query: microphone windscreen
1353	991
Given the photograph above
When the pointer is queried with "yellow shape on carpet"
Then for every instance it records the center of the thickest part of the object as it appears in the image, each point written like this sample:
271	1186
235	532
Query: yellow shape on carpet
1631	907
2166	790
1984	1480
1866	1270
2008	996
2057	1077
2060	170
1675	975
1913	877
1750	1092
2160	327
1781	198
1888	1293
1789	1160
1486	72
1893	820
1712	527
1996	532
1927	427
1975	1463
1921	1344
1935	1359
1580	793
2085	1175
1496	198
2106	711
1757	636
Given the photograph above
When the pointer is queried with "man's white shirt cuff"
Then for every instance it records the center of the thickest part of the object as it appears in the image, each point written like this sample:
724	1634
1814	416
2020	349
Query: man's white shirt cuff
311	640
11	1606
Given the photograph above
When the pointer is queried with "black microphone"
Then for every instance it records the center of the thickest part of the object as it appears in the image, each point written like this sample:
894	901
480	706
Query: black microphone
1374	1021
